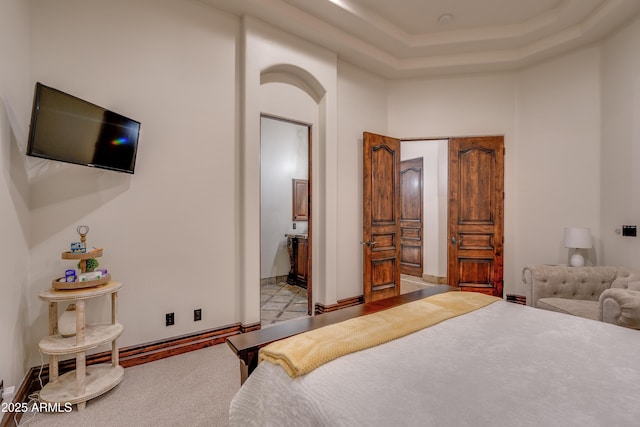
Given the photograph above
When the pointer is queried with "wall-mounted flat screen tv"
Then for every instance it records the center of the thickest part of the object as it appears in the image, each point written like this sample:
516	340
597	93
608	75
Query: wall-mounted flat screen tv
68	129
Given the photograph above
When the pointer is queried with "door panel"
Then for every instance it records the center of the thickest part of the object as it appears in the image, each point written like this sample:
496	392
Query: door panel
381	216
476	272
476	200
411	217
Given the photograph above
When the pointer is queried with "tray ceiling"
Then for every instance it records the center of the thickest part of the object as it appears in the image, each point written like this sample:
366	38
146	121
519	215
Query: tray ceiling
408	38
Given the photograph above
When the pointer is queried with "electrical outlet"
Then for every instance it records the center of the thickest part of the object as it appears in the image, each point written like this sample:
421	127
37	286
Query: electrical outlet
170	319
197	314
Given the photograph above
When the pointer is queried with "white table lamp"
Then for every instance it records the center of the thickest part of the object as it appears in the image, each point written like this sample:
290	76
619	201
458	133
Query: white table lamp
577	238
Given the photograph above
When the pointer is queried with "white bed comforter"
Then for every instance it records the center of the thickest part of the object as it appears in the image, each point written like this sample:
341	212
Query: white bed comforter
502	365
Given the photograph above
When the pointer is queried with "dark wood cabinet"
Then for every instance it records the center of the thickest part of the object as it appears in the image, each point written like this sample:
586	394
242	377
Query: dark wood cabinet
301	262
300	200
298	246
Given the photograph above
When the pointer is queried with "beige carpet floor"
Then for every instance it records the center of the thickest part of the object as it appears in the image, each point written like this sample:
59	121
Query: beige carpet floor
191	389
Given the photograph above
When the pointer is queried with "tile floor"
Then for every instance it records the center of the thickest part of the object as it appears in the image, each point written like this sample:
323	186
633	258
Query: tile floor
281	301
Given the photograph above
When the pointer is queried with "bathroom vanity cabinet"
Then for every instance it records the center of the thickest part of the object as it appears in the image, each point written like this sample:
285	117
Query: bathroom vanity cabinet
298	246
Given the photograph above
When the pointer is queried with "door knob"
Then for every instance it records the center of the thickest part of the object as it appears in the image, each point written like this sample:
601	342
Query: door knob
453	240
368	243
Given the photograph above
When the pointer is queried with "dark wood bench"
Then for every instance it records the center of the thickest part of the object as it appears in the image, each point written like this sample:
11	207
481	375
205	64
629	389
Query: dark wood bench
246	346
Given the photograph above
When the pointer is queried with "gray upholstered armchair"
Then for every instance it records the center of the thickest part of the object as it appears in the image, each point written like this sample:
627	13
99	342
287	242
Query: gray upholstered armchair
610	294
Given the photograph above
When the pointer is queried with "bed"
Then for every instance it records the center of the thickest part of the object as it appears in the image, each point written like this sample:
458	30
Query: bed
501	364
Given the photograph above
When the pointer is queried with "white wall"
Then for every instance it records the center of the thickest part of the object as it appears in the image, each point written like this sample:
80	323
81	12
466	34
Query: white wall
558	167
169	231
362	106
15	93
283	157
620	149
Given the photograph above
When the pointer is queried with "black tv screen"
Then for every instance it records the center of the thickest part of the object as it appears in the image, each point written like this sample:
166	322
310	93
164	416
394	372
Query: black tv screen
68	129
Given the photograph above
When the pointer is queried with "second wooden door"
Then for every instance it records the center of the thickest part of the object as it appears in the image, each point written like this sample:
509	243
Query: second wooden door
476	201
411	217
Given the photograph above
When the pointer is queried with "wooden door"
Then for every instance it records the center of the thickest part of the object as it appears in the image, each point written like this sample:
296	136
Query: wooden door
381	217
411	217
476	214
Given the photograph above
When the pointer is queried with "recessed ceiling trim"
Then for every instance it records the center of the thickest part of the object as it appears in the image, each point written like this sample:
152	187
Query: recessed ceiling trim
519	29
360	36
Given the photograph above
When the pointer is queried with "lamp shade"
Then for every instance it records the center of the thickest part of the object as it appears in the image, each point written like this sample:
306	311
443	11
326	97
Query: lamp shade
577	237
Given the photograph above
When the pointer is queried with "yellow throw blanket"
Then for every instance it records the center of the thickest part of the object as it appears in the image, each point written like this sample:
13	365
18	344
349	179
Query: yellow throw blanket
300	354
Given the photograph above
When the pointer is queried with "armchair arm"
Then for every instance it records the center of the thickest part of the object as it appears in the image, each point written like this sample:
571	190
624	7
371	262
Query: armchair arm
620	307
